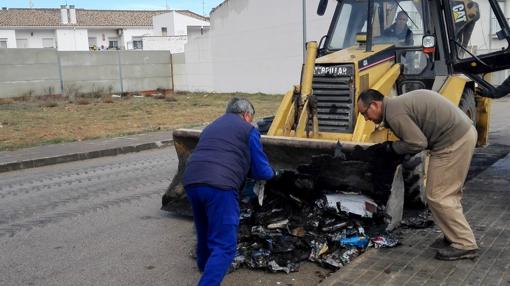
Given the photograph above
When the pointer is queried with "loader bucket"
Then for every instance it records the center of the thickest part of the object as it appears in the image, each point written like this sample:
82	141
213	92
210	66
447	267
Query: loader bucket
283	153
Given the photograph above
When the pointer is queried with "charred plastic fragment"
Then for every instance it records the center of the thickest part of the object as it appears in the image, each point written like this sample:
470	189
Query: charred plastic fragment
313	214
328	212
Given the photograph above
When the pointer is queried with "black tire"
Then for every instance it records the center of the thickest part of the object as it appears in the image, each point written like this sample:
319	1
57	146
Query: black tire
414	183
468	104
264	124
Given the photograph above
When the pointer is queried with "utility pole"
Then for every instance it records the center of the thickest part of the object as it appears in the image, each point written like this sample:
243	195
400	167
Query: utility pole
30	4
203	8
304	31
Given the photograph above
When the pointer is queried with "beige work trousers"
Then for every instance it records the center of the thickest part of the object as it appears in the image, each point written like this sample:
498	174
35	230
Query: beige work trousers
447	172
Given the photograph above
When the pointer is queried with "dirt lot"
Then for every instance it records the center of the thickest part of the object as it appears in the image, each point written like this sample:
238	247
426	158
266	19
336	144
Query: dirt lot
28	122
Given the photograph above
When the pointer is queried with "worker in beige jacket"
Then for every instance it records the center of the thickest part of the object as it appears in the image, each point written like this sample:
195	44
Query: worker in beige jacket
425	120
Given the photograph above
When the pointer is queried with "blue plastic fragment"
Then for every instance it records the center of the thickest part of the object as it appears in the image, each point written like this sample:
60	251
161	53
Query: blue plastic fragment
356	241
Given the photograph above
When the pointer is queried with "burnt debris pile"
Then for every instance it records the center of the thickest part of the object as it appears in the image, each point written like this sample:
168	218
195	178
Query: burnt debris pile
327	212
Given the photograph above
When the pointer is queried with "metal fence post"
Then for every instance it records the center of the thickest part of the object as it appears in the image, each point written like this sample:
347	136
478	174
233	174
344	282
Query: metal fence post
172	71
59	63
120	73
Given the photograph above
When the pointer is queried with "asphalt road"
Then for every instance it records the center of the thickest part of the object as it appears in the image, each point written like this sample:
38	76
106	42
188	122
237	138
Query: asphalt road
98	222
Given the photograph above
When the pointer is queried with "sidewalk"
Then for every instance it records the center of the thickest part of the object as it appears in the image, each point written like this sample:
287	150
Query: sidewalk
487	208
74	151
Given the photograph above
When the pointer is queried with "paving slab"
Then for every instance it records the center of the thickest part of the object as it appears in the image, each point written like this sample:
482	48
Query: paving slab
487	207
82	150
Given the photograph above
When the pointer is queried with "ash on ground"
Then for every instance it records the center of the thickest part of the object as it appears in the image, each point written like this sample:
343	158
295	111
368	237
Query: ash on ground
309	215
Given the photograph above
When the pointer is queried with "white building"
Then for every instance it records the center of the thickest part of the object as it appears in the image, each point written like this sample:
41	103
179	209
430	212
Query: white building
71	29
170	30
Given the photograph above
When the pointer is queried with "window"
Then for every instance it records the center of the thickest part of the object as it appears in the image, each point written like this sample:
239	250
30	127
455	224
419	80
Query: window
137	43
21	43
93	43
474	33
393	22
3	43
48	43
163	31
495	27
113	43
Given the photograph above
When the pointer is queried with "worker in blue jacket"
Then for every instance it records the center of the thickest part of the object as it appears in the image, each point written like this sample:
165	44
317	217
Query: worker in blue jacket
228	151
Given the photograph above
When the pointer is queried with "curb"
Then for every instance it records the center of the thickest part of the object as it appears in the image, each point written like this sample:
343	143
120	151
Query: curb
64	158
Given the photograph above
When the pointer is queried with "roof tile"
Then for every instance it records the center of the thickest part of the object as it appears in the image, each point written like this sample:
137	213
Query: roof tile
51	17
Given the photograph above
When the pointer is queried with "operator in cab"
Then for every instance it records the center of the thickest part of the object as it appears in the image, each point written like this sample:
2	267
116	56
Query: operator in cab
425	120
400	30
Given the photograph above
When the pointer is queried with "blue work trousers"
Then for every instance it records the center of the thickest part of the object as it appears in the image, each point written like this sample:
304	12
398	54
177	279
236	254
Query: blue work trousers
216	216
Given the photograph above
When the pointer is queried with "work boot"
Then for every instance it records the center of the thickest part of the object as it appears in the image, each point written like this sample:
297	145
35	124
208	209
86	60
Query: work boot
451	253
440	243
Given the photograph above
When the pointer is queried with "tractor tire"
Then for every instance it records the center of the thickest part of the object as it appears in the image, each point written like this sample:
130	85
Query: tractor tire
468	104
414	182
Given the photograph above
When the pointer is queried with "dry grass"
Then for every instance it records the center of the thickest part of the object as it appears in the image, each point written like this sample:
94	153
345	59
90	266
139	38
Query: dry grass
6	101
32	122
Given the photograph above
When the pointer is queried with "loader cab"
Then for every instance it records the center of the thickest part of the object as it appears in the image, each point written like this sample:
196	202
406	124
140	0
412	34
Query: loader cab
399	23
402	24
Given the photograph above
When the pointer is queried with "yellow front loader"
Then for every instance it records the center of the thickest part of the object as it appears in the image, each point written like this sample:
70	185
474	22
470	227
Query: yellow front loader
320	114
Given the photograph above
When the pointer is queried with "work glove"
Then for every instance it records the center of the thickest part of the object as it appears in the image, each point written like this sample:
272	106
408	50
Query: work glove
386	151
384	154
384	148
369	154
381	152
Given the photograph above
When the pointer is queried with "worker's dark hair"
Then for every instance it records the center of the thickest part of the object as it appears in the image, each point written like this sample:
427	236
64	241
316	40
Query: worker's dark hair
239	105
402	12
369	96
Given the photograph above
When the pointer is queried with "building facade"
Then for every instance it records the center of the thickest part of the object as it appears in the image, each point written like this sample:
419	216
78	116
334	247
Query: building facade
71	29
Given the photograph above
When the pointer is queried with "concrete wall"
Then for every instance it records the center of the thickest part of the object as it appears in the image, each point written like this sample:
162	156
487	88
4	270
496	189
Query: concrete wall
199	72
10	35
179	70
28	71
72	40
174	44
253	46
37	71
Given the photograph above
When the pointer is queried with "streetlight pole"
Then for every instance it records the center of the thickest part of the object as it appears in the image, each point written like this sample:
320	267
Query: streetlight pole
304	31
